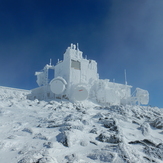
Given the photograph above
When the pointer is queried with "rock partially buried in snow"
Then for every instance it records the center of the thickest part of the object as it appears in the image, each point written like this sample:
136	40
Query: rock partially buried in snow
63	138
160	146
154	152
158	123
27	159
109	123
47	159
28	130
83	143
40	136
101	156
48	144
71	158
104	137
94	131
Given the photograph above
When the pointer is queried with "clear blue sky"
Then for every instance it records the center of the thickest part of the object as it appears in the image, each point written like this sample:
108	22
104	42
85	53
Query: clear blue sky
118	34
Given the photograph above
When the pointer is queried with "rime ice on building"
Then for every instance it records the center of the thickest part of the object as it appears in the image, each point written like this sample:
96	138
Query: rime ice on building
76	79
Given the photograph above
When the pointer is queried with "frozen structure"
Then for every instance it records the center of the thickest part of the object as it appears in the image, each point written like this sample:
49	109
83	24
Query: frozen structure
76	78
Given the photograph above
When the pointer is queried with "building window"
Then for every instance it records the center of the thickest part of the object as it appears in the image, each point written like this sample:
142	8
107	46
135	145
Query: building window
75	65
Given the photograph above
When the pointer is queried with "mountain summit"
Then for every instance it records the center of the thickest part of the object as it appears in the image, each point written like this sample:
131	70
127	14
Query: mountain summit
34	131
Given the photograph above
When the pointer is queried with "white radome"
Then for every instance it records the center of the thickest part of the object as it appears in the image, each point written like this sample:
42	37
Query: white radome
80	93
57	86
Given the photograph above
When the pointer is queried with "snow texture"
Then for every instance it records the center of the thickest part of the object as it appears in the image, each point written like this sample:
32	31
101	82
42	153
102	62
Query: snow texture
34	131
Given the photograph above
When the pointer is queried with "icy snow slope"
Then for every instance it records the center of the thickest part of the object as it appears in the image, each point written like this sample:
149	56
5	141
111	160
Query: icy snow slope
62	132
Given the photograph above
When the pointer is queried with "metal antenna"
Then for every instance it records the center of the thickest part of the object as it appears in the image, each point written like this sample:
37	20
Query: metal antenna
50	62
77	46
125	77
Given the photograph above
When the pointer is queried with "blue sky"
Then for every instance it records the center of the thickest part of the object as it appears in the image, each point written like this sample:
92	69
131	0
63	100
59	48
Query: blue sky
118	34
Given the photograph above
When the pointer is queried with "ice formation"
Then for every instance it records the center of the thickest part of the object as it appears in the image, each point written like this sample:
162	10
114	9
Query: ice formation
76	79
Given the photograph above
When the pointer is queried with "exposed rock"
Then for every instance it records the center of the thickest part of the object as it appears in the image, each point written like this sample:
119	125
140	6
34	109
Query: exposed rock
154	152
11	137
23	151
72	117
109	123
149	142
101	156
83	143
135	122
94	131
71	158
40	136
160	146
158	123
92	142
62	138
47	159
149	159
144	142
48	144
85	122
27	159
103	138
118	109
28	130
108	138
98	115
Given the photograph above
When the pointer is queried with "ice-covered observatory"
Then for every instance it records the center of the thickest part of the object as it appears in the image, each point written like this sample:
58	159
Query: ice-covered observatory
76	78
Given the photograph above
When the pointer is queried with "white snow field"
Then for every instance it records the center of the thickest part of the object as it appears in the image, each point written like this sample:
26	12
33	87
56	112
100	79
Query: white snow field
64	132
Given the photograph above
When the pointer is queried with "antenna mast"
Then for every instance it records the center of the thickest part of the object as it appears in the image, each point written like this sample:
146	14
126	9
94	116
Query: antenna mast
50	62
77	46
125	77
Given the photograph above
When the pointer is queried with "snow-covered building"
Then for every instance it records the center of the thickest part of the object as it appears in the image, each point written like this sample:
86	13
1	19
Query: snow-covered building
76	79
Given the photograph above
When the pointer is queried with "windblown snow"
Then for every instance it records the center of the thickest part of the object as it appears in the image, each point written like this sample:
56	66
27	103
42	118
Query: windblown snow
64	132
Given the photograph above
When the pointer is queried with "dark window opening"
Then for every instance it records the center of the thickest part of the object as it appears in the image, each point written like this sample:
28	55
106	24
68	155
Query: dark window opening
50	74
75	65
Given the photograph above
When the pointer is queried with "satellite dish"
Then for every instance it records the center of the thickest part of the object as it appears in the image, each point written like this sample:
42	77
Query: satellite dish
80	93
58	85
